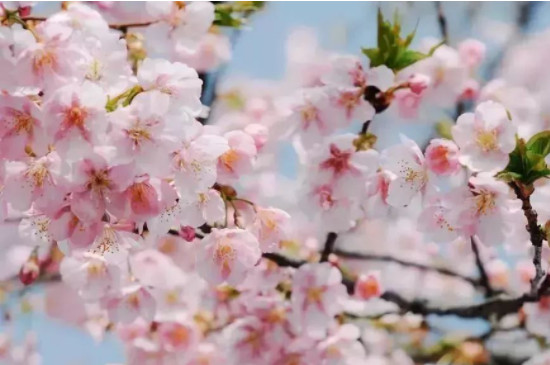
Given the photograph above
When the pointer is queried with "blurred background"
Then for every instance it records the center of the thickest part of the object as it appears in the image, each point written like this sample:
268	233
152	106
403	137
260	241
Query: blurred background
260	52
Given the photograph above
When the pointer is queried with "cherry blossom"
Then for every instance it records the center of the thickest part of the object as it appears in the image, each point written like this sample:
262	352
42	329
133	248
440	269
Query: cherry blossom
317	296
485	138
227	255
201	218
406	162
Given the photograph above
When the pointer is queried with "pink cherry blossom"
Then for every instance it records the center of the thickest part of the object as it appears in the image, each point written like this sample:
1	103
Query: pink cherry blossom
195	162
227	255
345	71
76	117
65	225
239	159
148	131
197	209
485	138
339	162
36	180
175	79
317	296
368	285
472	52
21	127
94	183
134	301
408	166
91	275
334	209
312	115
270	226
442	157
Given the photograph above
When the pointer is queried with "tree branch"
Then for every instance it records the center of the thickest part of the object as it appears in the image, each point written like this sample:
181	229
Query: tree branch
388	258
494	307
483	277
123	27
283	261
535	232
329	246
442	20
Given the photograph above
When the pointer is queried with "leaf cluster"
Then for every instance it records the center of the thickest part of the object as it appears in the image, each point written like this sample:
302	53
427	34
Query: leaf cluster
392	50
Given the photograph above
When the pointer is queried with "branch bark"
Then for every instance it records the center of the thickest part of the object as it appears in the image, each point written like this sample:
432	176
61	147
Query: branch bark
388	258
483	277
442	21
535	231
329	246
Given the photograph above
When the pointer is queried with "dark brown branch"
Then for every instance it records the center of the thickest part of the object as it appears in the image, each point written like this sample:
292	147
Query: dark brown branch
123	27
388	258
365	127
536	234
494	307
283	261
442	21
329	246
483	277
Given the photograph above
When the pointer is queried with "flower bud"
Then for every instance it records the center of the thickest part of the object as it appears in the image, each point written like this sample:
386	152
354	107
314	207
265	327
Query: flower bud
188	233
418	83
442	157
368	285
472	52
30	270
470	90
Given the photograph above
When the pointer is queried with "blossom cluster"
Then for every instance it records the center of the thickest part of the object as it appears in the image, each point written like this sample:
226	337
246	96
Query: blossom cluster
170	224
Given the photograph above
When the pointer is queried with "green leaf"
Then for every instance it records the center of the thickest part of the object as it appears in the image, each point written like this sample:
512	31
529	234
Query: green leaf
407	58
540	143
393	50
234	14
527	162
374	56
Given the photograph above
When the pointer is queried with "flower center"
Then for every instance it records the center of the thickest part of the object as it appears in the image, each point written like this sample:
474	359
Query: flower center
76	116
99	181
315	295
94	71
326	200
37	173
229	158
487	140
138	135
42	60
96	269
23	122
338	162
485	203
309	114
224	256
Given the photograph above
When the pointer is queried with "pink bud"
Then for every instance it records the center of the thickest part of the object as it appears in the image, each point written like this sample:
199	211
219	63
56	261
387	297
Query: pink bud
24	11
418	83
470	90
442	157
188	233
407	103
368	285
30	270
472	52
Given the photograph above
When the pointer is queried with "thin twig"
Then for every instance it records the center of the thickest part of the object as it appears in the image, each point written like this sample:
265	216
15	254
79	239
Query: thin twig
535	232
442	20
329	246
365	127
388	258
123	27
483	277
